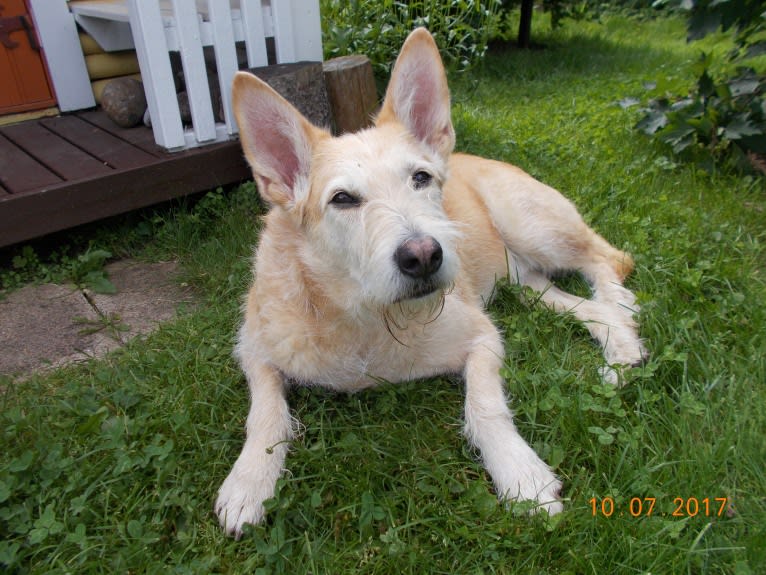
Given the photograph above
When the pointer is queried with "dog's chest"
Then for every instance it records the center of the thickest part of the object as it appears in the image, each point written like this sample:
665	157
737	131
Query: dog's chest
336	356
349	356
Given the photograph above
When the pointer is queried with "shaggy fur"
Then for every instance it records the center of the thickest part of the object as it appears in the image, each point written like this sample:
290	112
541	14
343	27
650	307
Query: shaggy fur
379	253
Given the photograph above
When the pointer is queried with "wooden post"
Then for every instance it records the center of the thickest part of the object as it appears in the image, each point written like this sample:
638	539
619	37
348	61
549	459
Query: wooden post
351	90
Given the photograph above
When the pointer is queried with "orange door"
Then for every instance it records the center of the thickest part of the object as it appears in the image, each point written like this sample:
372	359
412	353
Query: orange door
24	82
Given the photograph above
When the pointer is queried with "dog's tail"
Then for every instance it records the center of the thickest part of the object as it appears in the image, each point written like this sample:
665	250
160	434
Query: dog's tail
621	262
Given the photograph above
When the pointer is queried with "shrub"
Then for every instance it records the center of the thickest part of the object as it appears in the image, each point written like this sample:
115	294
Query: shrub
723	120
377	28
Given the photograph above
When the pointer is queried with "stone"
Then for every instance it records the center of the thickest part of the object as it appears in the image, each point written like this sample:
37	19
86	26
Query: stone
184	107
124	101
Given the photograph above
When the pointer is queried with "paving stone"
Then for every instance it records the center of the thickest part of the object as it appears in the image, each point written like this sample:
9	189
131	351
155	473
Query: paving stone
52	325
38	327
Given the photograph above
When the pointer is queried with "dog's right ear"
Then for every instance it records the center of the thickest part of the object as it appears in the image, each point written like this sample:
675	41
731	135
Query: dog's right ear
276	138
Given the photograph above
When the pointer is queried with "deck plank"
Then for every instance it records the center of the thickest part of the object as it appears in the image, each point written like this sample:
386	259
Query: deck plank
39	212
116	152
105	170
140	136
57	154
19	172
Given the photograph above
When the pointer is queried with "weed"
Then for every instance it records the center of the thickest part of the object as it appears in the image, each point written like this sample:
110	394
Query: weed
87	271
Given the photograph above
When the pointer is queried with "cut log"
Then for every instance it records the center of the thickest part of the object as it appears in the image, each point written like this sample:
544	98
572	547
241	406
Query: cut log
102	66
300	84
351	91
89	45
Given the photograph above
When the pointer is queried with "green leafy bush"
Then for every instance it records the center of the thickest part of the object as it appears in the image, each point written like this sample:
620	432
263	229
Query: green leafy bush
747	18
721	122
377	28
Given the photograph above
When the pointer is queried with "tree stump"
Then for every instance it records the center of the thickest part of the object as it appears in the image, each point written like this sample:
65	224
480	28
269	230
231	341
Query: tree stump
351	91
300	84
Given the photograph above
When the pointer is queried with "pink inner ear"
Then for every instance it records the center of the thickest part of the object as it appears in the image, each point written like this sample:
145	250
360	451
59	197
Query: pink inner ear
275	141
423	102
279	153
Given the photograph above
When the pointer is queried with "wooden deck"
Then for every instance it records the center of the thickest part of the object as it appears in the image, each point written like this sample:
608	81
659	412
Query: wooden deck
56	173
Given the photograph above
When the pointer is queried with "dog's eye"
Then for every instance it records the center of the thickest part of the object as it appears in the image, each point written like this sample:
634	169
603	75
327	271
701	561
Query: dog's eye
421	179
344	200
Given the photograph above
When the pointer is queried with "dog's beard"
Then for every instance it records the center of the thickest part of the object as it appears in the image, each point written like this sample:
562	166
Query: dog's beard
418	291
423	309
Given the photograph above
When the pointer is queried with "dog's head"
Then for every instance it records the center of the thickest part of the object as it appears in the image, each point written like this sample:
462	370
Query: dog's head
369	204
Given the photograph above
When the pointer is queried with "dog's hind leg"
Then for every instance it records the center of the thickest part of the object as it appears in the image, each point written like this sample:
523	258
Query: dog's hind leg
545	234
516	470
269	429
610	323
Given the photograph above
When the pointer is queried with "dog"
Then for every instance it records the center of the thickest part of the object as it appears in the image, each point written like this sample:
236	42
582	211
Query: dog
379	253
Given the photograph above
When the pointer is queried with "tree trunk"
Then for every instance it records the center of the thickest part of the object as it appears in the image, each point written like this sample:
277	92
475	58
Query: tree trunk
525	24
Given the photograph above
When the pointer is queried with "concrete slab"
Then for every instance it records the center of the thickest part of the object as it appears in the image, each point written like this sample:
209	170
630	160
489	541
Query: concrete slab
52	325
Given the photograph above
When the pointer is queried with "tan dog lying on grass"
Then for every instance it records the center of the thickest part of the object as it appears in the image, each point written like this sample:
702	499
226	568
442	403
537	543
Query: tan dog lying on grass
378	256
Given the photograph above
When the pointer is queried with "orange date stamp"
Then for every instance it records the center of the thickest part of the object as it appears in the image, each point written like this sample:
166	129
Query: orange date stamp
647	507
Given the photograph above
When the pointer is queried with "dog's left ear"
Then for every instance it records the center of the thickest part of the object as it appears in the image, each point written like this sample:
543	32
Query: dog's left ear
417	94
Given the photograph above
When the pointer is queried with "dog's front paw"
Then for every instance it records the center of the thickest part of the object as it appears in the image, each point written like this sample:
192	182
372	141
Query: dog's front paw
523	476
631	353
240	501
537	484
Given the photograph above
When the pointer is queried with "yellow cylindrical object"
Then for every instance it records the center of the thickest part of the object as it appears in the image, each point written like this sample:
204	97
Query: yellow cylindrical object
110	65
89	45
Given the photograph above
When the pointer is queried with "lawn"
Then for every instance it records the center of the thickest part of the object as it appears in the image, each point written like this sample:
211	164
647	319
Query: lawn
113	466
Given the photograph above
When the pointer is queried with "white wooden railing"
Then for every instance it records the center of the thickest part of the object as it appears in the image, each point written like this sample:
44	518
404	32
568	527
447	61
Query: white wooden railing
157	27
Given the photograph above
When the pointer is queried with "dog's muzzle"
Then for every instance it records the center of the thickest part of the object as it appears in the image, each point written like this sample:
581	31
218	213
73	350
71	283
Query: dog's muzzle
420	258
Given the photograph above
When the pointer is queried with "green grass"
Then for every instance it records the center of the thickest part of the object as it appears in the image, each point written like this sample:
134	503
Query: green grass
113	466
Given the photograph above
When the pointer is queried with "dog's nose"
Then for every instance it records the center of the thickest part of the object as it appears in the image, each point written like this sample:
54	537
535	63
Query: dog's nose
419	257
